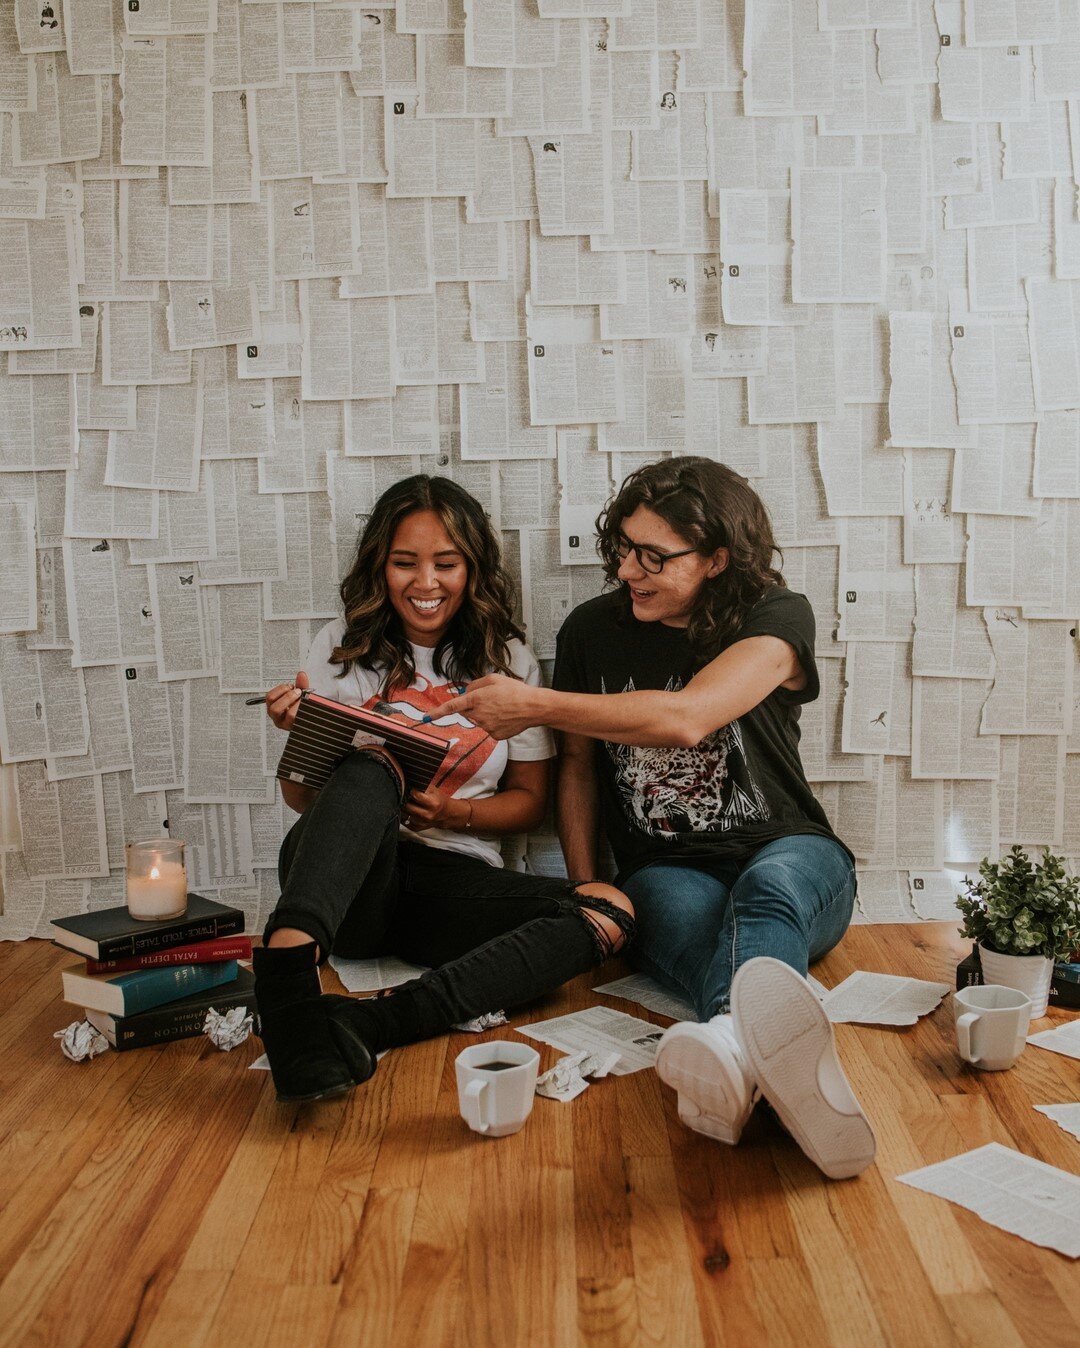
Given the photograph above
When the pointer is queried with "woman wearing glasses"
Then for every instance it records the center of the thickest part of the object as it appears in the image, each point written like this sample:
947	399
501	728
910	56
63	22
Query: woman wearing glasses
677	694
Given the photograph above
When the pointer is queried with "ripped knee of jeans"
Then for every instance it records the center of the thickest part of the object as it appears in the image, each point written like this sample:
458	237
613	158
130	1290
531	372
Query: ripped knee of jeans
607	913
386	761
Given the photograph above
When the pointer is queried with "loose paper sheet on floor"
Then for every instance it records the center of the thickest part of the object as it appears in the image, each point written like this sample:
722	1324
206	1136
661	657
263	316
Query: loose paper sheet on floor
1062	1039
882	999
1065	1116
601	1031
648	993
372	975
1011	1191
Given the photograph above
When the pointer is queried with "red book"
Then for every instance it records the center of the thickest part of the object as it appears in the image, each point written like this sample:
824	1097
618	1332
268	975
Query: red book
202	952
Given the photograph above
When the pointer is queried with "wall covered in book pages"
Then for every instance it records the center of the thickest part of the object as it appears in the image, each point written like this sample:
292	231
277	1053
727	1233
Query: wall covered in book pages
260	260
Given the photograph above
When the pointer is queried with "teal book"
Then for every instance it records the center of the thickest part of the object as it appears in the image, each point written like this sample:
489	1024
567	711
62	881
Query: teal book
128	994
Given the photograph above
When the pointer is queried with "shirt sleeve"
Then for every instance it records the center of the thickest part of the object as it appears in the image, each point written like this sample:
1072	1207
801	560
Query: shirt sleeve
355	688
787	615
537	743
569	672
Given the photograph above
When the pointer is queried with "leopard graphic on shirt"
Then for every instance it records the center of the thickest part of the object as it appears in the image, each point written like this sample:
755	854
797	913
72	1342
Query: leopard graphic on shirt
704	789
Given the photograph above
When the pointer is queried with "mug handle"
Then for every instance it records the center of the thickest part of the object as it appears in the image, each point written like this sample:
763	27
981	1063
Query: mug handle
470	1102
963	1035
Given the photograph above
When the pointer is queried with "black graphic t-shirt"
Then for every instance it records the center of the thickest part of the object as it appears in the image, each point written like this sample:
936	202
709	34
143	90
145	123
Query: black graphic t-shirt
740	787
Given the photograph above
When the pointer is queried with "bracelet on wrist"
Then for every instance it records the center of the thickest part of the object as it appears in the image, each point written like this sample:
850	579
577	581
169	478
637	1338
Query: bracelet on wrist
468	818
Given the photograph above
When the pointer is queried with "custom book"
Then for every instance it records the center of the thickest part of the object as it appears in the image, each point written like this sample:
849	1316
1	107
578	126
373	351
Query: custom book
142	989
112	933
201	952
325	731
178	1020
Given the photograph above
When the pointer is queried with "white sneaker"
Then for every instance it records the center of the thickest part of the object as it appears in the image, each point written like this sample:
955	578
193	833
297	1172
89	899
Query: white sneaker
705	1065
788	1042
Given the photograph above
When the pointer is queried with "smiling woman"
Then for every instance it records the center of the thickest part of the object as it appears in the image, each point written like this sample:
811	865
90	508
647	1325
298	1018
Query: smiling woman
427	607
677	694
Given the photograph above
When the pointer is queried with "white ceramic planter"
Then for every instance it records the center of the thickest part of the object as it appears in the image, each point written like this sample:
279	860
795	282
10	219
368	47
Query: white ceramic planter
1030	974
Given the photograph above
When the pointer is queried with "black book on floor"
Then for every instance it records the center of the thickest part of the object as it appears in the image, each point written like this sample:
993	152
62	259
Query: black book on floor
112	933
176	1020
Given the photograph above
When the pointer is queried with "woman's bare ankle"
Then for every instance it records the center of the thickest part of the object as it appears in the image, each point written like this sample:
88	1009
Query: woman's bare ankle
287	936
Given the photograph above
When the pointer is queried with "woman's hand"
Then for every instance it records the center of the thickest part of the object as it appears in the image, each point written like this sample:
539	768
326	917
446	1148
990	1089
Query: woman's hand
282	701
431	809
502	706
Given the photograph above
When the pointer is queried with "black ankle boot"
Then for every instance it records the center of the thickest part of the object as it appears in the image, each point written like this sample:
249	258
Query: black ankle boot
311	1057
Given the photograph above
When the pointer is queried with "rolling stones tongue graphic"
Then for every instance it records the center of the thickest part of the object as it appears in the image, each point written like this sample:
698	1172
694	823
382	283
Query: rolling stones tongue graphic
470	747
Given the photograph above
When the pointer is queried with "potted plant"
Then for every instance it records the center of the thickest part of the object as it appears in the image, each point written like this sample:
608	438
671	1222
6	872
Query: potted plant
1024	916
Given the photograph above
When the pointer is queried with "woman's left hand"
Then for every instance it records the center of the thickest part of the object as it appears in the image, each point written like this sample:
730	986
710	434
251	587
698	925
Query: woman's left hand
431	809
500	705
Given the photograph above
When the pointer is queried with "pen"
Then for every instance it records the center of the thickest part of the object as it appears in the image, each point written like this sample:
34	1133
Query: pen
258	701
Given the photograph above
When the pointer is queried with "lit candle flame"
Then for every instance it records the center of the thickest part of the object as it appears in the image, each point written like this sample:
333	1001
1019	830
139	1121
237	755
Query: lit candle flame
155	874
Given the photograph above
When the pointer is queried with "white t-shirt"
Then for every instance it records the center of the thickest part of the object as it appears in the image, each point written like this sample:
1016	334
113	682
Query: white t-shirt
478	761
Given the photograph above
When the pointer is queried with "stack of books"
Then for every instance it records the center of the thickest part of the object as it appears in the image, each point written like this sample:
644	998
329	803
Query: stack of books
145	983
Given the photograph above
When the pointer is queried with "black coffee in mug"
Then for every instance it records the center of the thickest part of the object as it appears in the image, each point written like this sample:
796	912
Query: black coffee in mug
495	1066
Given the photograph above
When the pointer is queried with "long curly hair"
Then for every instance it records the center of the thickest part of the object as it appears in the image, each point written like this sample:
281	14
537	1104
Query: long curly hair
476	642
712	507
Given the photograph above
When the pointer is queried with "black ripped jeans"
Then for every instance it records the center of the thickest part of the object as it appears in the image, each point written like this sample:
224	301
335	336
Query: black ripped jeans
496	938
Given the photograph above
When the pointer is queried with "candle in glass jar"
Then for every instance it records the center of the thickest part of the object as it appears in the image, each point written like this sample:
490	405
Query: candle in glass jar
156	882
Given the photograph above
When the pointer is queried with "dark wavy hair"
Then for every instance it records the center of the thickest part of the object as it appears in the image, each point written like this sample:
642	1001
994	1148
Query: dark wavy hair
710	506
476	642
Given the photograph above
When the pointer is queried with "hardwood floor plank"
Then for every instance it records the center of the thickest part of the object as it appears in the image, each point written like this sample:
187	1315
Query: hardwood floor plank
304	1315
187	1310
270	1247
845	1301
785	1297
519	1277
667	1307
722	1284
246	1313
606	1301
372	1278
433	1281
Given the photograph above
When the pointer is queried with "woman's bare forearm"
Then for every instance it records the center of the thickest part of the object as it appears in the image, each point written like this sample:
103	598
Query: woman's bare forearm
577	812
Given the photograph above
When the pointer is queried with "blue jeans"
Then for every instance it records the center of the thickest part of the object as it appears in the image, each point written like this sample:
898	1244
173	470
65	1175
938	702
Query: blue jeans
697	923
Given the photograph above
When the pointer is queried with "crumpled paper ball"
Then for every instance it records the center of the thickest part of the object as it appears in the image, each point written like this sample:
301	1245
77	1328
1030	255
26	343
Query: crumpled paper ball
80	1041
227	1031
566	1080
488	1021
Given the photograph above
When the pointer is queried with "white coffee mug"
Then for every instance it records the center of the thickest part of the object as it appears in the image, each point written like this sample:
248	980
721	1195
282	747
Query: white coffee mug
991	1025
496	1085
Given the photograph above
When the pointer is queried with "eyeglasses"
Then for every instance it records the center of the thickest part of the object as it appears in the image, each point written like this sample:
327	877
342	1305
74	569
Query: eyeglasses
648	559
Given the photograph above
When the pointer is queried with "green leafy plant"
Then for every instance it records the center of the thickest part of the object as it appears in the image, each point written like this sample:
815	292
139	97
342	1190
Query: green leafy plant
1022	908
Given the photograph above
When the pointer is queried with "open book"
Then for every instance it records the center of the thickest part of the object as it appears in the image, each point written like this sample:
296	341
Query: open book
325	731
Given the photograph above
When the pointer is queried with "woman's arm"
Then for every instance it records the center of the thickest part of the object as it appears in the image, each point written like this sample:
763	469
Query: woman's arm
728	687
517	807
282	703
577	807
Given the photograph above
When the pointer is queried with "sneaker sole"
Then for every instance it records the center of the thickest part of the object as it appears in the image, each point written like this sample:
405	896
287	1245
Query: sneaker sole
788	1040
688	1062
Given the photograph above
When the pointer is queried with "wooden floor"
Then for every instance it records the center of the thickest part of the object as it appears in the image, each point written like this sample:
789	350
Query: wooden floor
164	1196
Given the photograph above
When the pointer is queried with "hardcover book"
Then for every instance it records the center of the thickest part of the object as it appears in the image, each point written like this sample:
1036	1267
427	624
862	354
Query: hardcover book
127	994
178	1020
325	731
112	933
201	952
